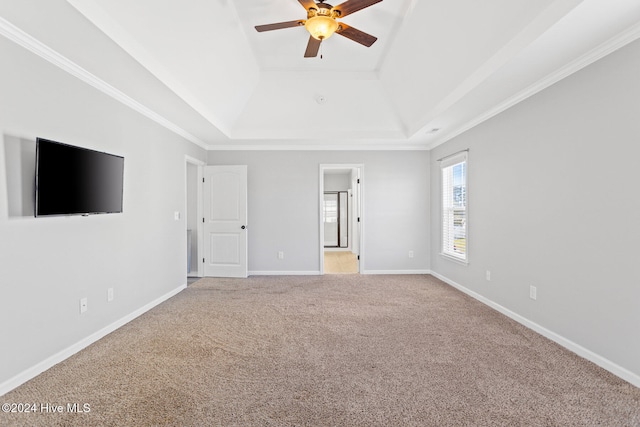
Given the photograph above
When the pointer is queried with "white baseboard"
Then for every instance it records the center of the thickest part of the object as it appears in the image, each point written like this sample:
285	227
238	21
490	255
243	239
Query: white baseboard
396	272
603	362
317	273
284	273
39	368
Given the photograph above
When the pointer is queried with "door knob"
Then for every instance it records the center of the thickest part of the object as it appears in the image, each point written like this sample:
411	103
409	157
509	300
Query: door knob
243	227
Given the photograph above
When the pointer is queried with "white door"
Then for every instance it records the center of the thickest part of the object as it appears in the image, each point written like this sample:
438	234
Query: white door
225	221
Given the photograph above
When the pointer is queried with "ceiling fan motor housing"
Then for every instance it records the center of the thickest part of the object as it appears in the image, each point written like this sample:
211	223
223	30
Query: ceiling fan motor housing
323	9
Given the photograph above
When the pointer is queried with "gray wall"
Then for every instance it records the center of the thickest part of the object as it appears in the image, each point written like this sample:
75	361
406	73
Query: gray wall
284	212
48	264
553	202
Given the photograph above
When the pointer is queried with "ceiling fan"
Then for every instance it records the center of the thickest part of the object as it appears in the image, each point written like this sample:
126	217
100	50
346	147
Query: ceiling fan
321	23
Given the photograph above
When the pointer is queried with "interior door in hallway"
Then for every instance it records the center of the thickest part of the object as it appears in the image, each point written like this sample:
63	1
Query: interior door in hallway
225	221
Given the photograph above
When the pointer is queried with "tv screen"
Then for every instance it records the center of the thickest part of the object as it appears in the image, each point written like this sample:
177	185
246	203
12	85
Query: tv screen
76	181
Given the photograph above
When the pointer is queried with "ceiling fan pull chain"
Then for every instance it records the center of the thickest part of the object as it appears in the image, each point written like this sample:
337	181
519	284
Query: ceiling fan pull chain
321	49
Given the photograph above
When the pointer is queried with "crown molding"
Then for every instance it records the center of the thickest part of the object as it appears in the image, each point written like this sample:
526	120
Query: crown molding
18	36
604	49
318	147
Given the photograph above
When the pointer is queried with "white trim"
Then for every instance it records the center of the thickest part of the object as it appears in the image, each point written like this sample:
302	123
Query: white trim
604	49
194	161
454	159
302	73
603	362
238	146
372	272
284	273
318	273
28	42
49	362
450	257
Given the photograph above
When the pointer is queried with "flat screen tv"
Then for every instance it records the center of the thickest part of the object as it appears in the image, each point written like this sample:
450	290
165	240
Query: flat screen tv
76	181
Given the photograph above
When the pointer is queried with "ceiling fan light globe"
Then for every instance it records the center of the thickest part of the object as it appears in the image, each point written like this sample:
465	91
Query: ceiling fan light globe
321	27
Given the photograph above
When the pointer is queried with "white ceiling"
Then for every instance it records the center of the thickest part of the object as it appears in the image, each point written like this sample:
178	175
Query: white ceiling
437	64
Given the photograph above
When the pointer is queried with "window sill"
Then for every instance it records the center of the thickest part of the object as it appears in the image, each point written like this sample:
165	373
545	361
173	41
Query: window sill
454	259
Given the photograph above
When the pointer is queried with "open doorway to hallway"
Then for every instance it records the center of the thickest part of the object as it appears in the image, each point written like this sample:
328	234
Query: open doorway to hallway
340	218
193	213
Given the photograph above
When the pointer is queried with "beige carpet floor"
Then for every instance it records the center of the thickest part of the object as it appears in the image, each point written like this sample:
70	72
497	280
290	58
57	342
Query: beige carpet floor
343	350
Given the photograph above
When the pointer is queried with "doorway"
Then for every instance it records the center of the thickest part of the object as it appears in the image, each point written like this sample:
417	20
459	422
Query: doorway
193	211
341	222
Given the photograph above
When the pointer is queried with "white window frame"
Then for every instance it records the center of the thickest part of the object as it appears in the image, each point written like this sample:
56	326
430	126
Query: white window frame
448	208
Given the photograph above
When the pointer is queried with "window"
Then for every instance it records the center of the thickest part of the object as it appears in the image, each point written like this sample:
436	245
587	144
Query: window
454	206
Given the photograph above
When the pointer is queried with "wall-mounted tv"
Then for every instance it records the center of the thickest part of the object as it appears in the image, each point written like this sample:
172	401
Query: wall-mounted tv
76	181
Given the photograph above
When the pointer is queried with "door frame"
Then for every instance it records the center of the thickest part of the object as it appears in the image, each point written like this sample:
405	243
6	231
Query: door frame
199	208
359	167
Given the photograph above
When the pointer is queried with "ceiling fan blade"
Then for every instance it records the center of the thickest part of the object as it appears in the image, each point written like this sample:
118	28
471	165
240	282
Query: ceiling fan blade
351	6
312	48
308	4
356	35
279	25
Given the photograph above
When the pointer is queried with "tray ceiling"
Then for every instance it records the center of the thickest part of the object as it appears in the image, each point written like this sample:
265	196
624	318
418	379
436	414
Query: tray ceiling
437	64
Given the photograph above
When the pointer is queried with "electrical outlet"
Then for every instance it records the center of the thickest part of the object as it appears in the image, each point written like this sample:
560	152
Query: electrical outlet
83	305
533	292
109	294
488	275
410	254
280	255
176	215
